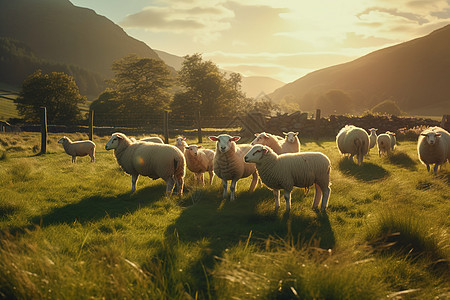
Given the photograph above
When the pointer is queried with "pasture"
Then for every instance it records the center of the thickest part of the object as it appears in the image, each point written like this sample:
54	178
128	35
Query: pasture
73	231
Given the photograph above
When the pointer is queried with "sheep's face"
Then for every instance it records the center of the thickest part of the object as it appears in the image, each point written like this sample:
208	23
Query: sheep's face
61	140
260	139
180	140
193	149
255	154
224	141
431	137
290	136
113	142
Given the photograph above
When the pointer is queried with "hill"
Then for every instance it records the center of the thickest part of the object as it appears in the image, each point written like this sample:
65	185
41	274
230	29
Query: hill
58	31
414	74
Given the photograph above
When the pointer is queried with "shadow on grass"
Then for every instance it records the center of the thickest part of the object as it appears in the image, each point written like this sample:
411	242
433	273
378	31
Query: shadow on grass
366	172
402	160
247	220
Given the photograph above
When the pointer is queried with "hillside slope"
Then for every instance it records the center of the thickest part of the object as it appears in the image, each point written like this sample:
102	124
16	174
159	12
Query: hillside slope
415	74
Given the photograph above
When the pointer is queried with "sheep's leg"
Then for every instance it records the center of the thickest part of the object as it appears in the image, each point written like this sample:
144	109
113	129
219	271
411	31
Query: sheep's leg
325	197
254	181
436	167
276	194
179	186
317	196
287	198
169	186
134	179
225	187
211	176
428	167
202	178
92	158
74	159
233	189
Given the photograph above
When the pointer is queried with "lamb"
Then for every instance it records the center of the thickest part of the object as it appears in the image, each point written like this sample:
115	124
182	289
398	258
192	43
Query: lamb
384	143
290	170
199	161
291	144
373	137
149	159
433	147
354	141
181	144
79	148
393	139
229	163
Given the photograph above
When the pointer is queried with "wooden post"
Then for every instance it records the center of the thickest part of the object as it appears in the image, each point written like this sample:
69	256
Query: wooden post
316	133
166	126
43	130
91	124
199	128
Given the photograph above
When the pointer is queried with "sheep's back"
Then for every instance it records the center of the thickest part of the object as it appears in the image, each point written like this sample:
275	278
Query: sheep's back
79	148
352	135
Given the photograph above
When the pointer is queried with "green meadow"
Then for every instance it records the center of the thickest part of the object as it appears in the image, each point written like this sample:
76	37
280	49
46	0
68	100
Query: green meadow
74	231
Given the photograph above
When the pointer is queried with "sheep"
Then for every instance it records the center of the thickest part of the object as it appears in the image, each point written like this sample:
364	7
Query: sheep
229	163
392	138
152	139
149	159
291	144
372	137
292	169
433	147
384	144
79	148
180	143
199	161
354	141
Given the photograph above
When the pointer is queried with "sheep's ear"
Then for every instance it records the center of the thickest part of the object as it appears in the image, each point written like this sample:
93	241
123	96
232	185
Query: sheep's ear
438	134
264	150
213	138
285	133
393	133
184	139
235	138
256	134
198	147
186	147
296	133
423	134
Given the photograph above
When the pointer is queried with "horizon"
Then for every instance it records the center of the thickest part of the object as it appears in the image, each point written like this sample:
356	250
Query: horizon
292	40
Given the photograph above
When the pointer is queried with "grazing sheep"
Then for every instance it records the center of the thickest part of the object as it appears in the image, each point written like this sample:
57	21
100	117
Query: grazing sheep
181	144
229	163
149	159
354	141
199	161
288	170
393	139
152	139
372	137
384	143
433	147
79	148
291	144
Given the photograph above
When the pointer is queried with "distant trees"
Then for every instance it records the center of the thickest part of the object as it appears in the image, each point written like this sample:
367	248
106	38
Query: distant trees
335	102
56	91
206	89
387	107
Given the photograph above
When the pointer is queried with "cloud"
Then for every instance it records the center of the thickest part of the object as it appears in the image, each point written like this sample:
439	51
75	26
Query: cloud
419	19
354	40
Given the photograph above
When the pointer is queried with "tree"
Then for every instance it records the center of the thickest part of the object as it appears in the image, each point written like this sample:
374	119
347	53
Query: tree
207	90
56	91
387	107
334	102
141	86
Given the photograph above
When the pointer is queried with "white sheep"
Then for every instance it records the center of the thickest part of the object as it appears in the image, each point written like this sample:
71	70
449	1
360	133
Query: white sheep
290	170
353	140
152	139
384	144
393	139
433	147
291	144
199	161
372	137
229	163
78	148
180	143
149	159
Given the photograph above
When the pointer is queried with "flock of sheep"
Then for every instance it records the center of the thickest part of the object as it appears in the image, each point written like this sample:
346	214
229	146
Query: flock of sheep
277	161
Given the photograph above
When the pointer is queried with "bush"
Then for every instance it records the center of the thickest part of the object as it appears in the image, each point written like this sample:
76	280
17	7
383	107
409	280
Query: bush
387	107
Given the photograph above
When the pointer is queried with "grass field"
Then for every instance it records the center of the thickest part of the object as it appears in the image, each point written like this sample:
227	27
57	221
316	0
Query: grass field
73	231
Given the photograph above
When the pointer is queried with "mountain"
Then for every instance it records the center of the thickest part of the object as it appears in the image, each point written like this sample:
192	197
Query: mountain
414	74
58	31
253	86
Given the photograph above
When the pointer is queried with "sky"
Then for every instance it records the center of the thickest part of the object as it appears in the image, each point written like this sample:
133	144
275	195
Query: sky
282	39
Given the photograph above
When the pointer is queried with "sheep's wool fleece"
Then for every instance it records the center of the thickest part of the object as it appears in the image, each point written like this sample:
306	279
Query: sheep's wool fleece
346	140
79	148
150	159
437	153
230	165
202	162
294	169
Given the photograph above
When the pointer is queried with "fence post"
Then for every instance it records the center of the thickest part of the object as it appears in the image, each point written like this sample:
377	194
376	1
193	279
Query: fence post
43	130
317	127
199	128
91	124
166	126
